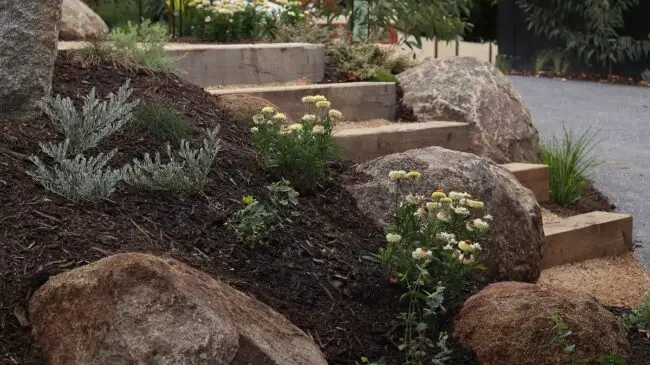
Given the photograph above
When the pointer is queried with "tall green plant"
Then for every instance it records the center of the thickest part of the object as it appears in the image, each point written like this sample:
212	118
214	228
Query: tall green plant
570	163
413	19
588	28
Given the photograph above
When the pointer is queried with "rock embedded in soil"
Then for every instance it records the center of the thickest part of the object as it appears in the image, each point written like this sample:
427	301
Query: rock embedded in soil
466	89
513	250
79	22
136	308
29	31
510	323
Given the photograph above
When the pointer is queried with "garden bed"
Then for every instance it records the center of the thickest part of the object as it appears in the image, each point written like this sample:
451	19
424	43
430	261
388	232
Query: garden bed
315	271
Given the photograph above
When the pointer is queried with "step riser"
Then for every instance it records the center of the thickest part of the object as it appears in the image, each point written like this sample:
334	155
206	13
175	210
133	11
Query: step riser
357	101
359	145
245	64
533	176
253	64
587	236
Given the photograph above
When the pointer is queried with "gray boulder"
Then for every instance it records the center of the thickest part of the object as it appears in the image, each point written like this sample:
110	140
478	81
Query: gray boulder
140	309
514	248
466	89
29	31
79	22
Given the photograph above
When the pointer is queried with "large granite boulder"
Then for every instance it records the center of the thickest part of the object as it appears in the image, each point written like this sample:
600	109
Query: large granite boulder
466	89
79	22
140	309
29	31
514	247
511	323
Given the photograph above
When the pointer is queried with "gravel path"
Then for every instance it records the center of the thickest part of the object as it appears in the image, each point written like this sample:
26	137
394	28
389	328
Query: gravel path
621	114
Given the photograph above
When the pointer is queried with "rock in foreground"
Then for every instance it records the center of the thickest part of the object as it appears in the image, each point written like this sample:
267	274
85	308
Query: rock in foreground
466	89
140	309
510	323
514	248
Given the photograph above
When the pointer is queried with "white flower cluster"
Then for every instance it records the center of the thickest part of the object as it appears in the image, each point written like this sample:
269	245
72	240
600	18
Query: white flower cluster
229	8
316	122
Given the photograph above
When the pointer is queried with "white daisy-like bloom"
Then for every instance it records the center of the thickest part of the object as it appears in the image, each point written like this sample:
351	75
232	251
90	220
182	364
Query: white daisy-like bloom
309	118
477	247
443	216
465	246
449	247
431	205
258	119
335	114
474	203
420	212
480	224
297	127
393	238
455	195
397	175
461	211
255	130
421	252
268	110
413	199
323	104
280	117
307	99
318	129
207	19
447	237
488	217
466	258
317	98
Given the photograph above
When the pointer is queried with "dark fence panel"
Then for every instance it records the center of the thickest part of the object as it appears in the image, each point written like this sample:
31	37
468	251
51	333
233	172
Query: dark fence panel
520	46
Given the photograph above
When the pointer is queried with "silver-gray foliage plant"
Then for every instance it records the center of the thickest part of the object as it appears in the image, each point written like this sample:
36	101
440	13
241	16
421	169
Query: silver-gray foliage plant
185	172
98	120
80	179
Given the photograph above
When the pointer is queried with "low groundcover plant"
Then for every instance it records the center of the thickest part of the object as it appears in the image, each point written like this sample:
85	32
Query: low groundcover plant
432	248
298	152
257	219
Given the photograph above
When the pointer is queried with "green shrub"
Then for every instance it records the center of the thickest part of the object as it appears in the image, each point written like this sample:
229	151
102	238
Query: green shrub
186	171
570	165
640	316
298	153
383	75
144	43
256	219
432	248
303	32
162	123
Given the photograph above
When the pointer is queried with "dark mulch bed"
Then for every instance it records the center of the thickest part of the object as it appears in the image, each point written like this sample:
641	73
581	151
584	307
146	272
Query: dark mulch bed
314	271
613	79
592	201
639	342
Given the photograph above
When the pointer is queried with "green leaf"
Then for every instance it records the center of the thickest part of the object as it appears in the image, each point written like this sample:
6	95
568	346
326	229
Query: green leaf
569	348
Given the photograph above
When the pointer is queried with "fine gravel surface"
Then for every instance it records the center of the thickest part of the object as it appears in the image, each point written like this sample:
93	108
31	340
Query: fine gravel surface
621	116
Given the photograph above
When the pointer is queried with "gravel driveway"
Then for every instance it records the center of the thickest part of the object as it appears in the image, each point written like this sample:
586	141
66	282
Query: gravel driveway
621	114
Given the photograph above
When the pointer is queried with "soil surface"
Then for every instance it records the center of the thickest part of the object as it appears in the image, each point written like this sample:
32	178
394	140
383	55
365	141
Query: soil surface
639	341
592	201
317	271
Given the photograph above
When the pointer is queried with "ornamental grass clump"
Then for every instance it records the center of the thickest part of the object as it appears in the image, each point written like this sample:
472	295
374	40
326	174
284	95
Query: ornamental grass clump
186	171
298	152
97	121
432	248
80	179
